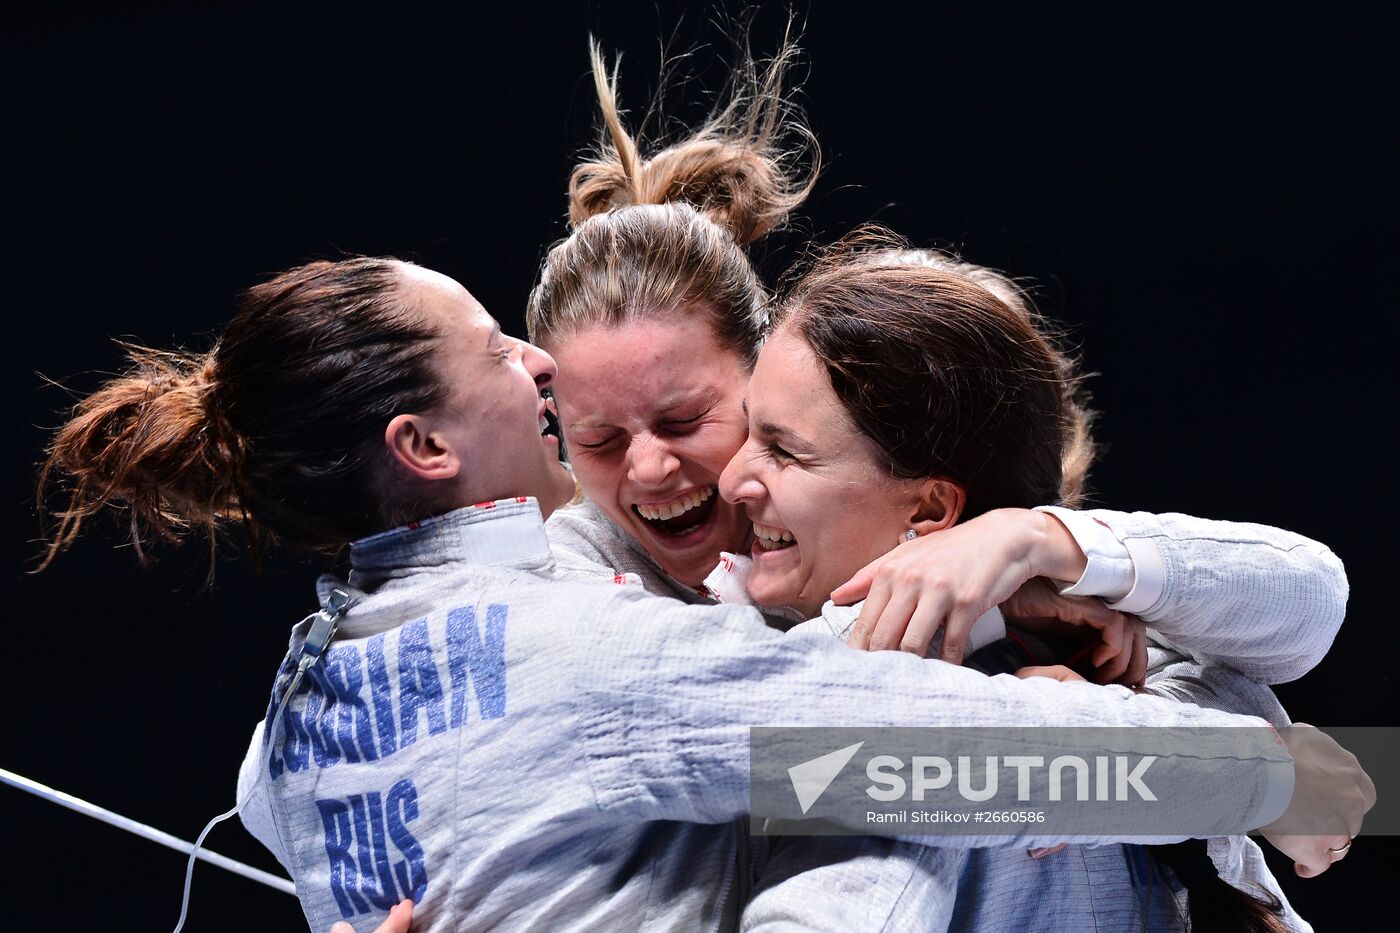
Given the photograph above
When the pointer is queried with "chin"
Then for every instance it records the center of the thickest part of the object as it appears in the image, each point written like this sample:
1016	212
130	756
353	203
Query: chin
555	488
731	532
568	486
771	594
691	574
690	565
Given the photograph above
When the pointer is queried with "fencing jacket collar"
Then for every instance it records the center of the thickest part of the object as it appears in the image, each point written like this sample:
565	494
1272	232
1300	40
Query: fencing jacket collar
506	532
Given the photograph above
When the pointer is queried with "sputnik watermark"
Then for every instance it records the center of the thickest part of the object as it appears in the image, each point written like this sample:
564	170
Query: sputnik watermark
928	773
934	773
811	778
1075	782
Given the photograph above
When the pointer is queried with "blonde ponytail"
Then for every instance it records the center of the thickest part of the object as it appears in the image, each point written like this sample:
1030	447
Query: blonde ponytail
747	167
664	233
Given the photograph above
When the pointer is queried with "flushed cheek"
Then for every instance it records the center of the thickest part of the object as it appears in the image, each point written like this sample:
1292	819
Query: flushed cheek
706	463
847	549
724	449
826	546
599	483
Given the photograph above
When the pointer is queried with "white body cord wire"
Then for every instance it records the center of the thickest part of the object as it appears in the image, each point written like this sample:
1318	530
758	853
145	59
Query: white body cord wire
322	631
323	625
270	738
141	829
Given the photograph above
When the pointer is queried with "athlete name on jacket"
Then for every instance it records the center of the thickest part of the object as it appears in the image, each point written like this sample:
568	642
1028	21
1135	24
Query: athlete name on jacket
364	707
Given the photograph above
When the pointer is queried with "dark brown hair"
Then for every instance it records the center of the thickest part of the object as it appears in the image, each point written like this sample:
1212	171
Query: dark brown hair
947	368
661	233
279	426
1215	905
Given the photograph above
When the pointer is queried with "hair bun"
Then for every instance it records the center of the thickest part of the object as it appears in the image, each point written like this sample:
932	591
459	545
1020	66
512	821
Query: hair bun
747	167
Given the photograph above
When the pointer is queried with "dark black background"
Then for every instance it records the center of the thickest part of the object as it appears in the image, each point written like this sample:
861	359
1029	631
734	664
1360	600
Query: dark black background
1206	196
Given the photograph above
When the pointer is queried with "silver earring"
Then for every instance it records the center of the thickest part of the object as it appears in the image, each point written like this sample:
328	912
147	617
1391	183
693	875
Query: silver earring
910	535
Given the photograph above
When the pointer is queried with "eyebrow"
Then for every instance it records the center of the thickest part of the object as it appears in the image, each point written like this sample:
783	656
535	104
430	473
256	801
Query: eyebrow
787	435
495	333
705	398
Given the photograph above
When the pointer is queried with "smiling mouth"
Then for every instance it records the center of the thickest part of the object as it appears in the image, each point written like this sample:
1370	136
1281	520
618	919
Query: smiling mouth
772	539
681	515
549	427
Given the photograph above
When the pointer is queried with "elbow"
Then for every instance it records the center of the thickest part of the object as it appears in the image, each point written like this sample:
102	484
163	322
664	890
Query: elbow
1331	605
1289	668
1338	589
1324	606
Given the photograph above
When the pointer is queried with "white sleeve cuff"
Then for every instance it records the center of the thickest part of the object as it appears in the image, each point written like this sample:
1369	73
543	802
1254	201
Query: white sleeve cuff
1109	571
1127	573
1149	577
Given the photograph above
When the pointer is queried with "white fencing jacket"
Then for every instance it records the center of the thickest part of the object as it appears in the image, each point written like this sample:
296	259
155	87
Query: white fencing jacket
516	750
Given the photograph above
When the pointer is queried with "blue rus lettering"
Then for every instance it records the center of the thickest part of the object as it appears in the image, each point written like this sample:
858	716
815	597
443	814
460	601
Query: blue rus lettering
419	685
374	858
485	660
335	818
411	873
365	873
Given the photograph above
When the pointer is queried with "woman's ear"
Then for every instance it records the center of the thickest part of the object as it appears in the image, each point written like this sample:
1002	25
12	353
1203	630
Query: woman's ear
940	505
419	450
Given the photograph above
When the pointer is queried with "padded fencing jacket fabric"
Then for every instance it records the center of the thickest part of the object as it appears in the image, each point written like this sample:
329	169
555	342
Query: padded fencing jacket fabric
516	751
1256	597
1261	600
854	883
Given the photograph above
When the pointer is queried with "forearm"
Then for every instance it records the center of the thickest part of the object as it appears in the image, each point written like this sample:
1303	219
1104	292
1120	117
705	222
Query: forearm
1264	601
670	708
